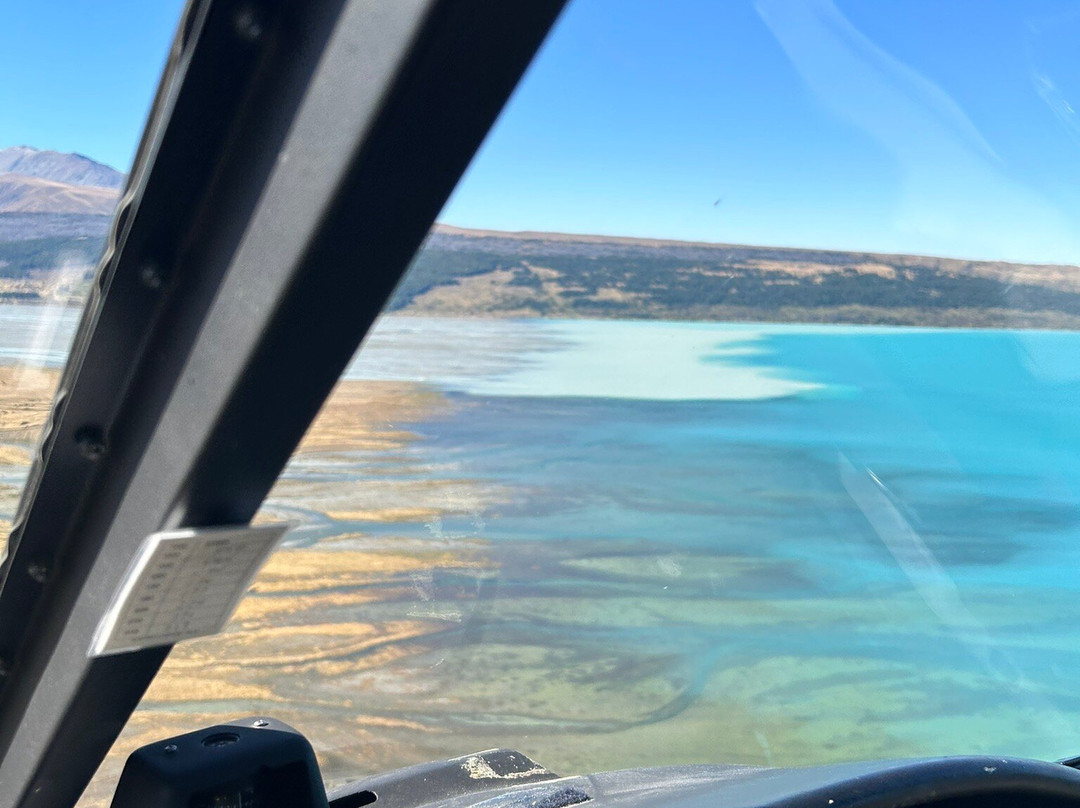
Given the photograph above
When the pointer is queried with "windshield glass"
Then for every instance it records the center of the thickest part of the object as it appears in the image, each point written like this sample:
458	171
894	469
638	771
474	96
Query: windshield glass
728	415
65	96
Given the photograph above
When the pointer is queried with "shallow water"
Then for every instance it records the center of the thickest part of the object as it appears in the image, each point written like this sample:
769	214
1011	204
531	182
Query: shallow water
766	543
652	543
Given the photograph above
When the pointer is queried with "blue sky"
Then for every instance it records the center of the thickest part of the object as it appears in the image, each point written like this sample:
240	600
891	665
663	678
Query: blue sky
929	126
79	76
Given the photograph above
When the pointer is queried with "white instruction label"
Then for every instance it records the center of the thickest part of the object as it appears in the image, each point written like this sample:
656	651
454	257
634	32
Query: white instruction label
183	584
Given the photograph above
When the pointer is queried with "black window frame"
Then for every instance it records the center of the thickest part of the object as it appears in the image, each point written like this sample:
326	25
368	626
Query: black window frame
295	157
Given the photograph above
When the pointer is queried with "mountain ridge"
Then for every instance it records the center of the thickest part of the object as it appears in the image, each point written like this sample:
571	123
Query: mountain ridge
69	168
54	217
24	194
440	228
492	273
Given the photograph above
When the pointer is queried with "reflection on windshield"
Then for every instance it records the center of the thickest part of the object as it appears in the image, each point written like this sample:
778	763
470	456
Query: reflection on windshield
34	340
763	574
637	501
55	210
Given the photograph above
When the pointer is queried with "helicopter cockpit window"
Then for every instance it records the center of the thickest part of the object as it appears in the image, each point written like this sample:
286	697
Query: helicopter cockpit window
729	413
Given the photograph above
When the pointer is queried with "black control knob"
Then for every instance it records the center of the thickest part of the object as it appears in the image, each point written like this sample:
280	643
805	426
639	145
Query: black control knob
250	763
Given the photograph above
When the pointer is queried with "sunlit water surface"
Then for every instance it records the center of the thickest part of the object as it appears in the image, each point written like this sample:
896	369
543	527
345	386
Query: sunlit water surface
678	542
776	544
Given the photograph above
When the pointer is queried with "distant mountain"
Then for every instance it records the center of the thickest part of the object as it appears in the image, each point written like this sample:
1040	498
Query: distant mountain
72	169
496	274
22	194
22	226
55	210
49	194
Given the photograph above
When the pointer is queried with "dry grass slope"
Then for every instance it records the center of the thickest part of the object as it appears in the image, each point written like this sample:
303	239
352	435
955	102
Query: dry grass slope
21	194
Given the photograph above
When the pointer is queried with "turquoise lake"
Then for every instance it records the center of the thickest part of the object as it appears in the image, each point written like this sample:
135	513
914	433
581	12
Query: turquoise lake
775	544
699	543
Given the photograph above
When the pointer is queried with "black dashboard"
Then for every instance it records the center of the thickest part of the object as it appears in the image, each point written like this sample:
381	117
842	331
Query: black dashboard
262	763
